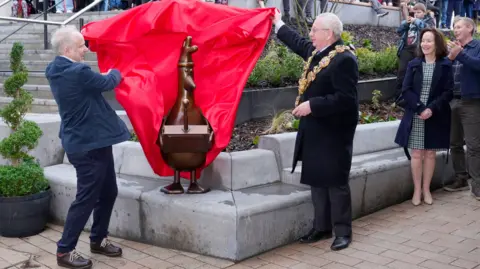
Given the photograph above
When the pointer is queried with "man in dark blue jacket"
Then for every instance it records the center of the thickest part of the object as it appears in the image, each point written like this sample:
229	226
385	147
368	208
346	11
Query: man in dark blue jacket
465	52
89	128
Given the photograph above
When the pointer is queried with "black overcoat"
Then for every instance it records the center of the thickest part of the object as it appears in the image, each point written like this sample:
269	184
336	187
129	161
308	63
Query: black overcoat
325	137
437	127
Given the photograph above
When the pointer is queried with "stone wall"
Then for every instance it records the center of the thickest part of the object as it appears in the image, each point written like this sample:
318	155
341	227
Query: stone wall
364	14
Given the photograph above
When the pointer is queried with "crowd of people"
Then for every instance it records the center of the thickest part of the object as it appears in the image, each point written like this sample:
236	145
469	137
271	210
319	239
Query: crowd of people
24	8
441	10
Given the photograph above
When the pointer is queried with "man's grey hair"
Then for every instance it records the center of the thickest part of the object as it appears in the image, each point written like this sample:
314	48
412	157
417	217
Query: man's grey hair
467	21
64	37
332	22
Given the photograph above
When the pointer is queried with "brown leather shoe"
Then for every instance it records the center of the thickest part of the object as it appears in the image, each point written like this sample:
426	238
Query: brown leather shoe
73	260
106	248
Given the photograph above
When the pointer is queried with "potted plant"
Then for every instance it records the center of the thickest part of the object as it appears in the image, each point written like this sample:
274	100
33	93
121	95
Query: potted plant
24	190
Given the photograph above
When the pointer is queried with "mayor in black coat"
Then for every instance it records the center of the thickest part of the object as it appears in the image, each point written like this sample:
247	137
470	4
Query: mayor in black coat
328	110
425	126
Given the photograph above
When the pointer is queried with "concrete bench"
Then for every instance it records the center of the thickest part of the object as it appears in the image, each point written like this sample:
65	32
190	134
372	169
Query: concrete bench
248	211
380	175
255	205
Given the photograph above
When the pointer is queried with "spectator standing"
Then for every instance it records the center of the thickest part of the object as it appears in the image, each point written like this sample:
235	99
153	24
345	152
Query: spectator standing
409	31
425	126
465	52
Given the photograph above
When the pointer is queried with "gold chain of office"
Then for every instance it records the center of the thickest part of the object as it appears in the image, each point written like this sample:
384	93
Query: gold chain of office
306	79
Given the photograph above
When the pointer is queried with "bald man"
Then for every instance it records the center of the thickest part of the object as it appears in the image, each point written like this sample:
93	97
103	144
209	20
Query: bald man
89	127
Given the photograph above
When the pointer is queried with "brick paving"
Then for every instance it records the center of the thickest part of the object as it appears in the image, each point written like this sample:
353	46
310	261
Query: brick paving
445	235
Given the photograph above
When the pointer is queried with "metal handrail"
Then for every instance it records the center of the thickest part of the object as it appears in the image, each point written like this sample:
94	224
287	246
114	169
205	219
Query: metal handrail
4	3
21	27
76	15
45	21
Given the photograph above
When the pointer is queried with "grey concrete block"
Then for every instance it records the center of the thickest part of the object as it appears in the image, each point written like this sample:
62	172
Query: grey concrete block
197	223
364	14
218	175
374	137
253	167
282	145
271	216
134	162
368	138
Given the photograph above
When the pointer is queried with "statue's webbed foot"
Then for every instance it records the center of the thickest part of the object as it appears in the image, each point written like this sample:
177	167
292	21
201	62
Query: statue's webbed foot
195	188
174	188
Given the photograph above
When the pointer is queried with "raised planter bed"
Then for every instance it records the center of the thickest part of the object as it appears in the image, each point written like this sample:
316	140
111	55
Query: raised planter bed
260	103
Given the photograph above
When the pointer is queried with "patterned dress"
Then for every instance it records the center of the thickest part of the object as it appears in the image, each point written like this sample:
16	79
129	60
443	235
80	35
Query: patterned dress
417	135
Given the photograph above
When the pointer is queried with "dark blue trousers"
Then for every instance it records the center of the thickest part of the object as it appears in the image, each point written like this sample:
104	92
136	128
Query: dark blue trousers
96	191
453	6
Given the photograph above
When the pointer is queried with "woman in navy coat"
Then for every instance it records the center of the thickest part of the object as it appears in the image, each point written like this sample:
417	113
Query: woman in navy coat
425	126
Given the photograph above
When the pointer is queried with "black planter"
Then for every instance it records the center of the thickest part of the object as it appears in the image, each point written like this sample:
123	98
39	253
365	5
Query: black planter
24	216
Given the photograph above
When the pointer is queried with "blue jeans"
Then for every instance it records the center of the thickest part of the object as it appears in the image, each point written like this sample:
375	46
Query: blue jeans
453	6
467	9
96	191
109	4
444	12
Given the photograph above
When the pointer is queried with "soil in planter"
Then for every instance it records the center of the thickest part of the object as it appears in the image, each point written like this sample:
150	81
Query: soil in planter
245	134
379	37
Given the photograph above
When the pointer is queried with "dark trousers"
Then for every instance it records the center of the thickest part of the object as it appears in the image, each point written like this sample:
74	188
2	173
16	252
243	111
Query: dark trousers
96	191
333	209
453	6
457	140
466	122
406	55
304	4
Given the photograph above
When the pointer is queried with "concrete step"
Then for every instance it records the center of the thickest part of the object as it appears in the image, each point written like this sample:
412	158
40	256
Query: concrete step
35	78
42	55
27	46
32	40
34	66
38	105
20	36
37	91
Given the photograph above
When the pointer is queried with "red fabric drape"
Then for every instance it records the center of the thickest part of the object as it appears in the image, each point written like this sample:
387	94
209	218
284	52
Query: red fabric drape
144	43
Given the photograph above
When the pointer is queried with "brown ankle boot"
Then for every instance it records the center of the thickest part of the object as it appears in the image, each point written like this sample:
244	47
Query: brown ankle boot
74	260
105	248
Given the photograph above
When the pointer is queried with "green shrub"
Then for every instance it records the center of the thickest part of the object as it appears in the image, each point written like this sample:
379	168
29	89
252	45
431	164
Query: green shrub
281	67
24	179
377	63
278	68
22	176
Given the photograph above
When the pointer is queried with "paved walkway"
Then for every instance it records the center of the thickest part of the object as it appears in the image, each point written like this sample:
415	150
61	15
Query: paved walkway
442	236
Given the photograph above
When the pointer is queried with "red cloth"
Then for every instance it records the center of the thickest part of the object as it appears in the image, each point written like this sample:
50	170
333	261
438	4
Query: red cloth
145	42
